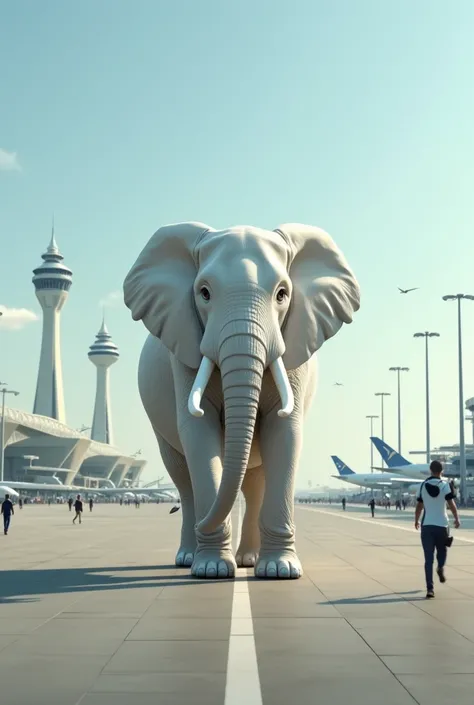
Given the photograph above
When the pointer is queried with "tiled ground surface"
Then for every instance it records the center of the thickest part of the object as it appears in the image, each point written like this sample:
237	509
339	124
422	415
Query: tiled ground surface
98	614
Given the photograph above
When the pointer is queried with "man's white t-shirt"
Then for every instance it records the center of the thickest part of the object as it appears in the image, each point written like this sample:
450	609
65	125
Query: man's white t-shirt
434	493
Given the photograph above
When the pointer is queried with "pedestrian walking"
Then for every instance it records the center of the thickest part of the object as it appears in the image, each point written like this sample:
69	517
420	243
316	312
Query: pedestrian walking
7	512
91	504
433	496
344	504
70	503
78	508
20	503
372	507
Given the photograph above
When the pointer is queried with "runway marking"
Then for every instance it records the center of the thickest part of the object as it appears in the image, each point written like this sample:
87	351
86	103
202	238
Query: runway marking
377	523
243	681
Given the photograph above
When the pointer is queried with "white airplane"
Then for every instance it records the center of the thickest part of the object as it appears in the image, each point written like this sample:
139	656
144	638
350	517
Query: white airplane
397	463
371	480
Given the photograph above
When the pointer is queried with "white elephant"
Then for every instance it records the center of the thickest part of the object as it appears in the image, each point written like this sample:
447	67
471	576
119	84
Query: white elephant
247	308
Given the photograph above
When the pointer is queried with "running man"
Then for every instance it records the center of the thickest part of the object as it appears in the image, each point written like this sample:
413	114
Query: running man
433	495
78	508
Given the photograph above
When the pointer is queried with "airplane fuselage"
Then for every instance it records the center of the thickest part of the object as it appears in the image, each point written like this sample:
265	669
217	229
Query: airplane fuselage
376	480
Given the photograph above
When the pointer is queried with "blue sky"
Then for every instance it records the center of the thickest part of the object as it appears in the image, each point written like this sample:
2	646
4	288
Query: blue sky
353	115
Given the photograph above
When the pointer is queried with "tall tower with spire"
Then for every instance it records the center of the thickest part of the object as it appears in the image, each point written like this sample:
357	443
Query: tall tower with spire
102	353
52	280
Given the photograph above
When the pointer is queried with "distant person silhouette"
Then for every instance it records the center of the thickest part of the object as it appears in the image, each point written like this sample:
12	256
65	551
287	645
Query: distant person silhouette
70	503
7	511
91	504
372	507
79	508
344	504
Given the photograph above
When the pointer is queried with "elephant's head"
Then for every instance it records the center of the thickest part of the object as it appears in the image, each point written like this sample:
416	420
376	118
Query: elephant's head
243	299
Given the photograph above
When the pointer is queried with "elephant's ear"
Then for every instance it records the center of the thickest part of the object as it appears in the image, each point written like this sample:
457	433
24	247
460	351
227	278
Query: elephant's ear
325	292
159	289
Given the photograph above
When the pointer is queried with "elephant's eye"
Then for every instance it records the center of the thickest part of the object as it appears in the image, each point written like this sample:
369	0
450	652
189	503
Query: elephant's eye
281	295
205	293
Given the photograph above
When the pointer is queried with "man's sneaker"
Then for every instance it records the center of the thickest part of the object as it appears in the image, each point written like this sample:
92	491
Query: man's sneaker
430	595
441	575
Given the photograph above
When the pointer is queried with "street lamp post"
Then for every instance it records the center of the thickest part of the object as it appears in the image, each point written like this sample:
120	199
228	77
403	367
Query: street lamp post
427	335
382	427
462	444
372	417
398	370
4	391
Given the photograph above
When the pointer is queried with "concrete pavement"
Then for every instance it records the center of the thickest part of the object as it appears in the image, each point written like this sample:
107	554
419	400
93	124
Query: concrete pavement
98	614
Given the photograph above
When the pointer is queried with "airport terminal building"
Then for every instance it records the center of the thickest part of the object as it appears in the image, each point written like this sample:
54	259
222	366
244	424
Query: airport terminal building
43	450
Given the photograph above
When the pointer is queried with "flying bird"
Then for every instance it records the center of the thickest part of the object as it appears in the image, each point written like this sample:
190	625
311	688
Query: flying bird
407	291
338	384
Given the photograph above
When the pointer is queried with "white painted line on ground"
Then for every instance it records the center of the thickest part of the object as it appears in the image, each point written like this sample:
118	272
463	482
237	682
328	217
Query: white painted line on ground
243	681
392	525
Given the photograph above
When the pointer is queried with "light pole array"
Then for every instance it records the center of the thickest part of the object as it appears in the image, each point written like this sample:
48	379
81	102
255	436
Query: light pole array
398	370
371	418
427	335
382	427
4	391
462	445
382	395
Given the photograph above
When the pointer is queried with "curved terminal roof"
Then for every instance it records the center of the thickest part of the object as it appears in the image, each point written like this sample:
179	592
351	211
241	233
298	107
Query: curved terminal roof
51	427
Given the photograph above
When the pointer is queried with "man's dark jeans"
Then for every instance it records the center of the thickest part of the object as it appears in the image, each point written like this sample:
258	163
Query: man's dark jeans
6	522
433	537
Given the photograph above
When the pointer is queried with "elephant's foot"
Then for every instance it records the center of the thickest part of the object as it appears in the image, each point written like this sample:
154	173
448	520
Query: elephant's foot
187	548
277	564
246	559
185	556
247	552
213	563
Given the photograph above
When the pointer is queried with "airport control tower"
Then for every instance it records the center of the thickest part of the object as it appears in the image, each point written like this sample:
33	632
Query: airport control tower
103	353
52	280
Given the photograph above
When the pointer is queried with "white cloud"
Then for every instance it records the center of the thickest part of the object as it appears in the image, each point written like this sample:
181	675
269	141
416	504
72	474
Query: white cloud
15	318
9	161
112	299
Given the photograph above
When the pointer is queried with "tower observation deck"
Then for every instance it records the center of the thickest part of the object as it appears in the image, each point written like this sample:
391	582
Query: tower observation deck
52	281
103	353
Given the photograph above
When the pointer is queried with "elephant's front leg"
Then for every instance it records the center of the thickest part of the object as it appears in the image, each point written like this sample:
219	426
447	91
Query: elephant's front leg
280	446
202	444
253	488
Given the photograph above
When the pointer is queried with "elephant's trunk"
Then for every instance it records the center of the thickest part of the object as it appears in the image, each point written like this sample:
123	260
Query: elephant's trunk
242	360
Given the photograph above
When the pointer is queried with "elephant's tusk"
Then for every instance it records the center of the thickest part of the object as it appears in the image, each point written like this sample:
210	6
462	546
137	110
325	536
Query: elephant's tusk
200	383
283	385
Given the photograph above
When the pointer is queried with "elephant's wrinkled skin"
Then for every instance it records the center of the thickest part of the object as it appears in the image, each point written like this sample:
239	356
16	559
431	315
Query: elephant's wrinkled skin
227	374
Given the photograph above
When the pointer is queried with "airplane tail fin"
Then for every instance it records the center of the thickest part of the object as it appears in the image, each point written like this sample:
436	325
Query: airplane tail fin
389	455
342	468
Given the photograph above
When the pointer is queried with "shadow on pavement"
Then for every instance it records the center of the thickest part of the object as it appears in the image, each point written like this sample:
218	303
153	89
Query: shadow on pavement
386	598
28	585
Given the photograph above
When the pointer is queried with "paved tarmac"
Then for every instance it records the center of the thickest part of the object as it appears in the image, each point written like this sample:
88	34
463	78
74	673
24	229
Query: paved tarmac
98	615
